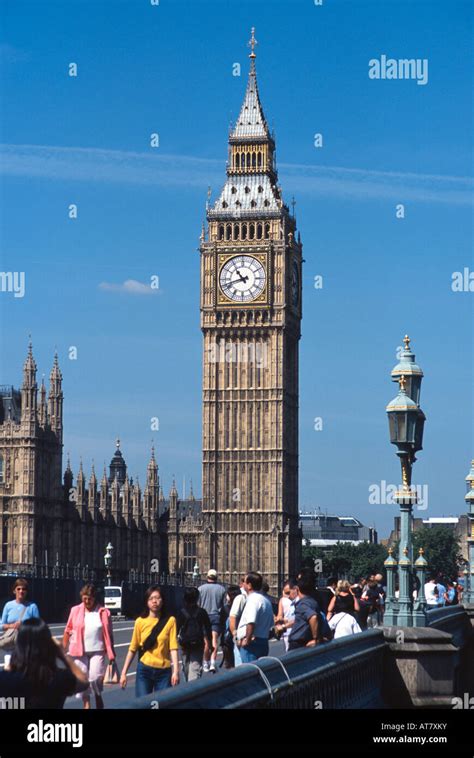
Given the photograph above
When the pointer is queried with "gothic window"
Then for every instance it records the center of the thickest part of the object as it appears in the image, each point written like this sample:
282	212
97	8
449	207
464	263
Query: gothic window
252	231
267	231
228	232
253	204
254	160
237	160
259	231
266	203
248	160
260	188
224	204
233	190
238	203
2	472
221	231
242	160
247	190
244	231
259	159
236	231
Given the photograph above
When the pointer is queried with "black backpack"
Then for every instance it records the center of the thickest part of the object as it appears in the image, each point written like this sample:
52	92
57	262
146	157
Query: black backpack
191	634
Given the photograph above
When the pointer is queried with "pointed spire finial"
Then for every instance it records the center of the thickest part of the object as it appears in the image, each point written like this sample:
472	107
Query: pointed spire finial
251	43
117	444
407	341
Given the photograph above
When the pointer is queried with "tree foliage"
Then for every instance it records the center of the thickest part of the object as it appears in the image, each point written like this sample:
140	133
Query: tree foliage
441	549
345	560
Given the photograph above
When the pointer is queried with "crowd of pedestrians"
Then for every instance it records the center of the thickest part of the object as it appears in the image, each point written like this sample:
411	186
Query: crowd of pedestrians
240	619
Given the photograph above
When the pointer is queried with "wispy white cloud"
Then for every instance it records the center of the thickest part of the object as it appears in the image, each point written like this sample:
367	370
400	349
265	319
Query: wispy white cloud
129	287
122	167
11	54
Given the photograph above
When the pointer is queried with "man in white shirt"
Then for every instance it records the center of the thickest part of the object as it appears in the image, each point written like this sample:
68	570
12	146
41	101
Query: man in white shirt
255	622
431	592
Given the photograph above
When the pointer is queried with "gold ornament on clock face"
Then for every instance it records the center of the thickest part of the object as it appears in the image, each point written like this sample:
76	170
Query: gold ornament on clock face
242	278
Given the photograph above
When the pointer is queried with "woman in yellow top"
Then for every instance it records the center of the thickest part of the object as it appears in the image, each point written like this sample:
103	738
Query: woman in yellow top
155	637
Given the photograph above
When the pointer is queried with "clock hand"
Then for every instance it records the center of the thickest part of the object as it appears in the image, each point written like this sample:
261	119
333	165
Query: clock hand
242	278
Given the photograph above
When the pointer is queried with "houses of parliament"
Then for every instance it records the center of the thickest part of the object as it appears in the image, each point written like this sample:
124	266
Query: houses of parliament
251	300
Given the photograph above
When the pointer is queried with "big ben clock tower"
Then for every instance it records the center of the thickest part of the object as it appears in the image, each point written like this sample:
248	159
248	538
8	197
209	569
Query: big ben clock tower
250	318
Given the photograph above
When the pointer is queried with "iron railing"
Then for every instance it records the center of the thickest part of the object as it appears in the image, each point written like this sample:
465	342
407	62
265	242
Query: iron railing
344	673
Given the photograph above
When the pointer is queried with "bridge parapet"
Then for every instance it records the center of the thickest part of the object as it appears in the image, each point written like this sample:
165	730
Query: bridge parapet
345	673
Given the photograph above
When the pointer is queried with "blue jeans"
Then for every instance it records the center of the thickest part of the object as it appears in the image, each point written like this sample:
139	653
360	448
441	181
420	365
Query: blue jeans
255	649
150	679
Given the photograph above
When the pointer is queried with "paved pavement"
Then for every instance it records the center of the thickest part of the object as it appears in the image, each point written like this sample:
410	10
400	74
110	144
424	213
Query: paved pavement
113	694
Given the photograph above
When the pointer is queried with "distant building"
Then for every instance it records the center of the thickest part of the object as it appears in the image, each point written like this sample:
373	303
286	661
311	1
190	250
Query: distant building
322	530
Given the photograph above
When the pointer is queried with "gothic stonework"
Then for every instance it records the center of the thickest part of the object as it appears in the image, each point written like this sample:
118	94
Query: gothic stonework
251	309
44	520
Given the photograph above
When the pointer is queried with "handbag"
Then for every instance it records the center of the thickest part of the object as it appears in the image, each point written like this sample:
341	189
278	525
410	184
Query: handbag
112	674
8	638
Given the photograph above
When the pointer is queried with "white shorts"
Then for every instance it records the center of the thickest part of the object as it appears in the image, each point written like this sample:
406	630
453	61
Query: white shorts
92	664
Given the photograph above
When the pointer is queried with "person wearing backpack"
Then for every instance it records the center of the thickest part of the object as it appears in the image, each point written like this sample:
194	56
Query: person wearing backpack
194	634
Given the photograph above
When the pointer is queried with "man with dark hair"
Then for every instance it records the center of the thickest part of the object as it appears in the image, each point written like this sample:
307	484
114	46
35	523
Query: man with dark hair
255	622
306	630
194	634
211	598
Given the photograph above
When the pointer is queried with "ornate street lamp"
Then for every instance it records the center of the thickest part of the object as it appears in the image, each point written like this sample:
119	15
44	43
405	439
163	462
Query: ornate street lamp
468	594
406	423
196	573
108	562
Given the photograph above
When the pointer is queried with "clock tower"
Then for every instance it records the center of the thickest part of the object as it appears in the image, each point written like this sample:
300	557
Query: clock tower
250	318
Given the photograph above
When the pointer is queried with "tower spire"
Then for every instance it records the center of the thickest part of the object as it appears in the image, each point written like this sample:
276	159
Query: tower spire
251	43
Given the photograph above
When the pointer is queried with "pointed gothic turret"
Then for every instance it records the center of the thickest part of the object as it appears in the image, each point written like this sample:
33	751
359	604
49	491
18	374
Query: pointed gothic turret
43	408
29	388
92	491
68	477
55	399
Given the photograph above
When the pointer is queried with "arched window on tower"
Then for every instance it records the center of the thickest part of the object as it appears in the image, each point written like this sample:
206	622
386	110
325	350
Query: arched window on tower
248	160
267	231
2	472
259	231
228	232
254	160
244	231
236	231
252	231
221	231
259	159
237	160
242	160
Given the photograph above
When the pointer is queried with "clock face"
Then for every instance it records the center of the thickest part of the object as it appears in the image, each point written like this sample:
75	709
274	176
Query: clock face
295	285
242	278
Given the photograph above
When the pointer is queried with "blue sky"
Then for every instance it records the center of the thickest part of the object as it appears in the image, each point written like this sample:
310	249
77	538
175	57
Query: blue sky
169	69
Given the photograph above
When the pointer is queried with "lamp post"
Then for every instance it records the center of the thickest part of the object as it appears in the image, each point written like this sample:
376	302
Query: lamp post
406	423
196	573
108	562
468	594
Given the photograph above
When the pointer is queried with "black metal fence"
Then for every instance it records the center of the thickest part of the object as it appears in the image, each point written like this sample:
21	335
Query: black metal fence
55	588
